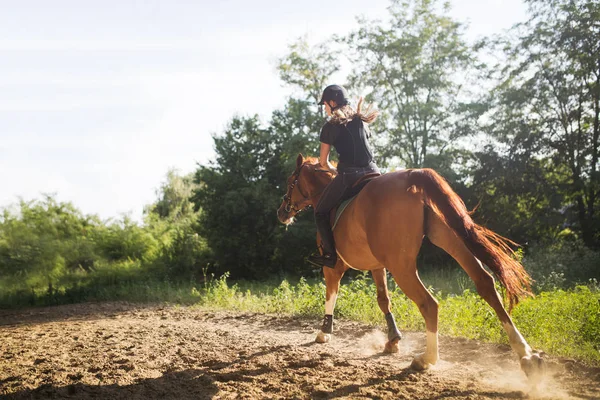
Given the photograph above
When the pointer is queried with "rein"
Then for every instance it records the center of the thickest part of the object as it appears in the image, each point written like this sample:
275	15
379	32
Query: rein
288	196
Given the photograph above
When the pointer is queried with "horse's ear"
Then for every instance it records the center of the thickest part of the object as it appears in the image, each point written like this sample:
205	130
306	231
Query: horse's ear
299	160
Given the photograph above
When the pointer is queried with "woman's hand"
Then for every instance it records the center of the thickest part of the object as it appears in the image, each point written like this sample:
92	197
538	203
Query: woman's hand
324	159
332	170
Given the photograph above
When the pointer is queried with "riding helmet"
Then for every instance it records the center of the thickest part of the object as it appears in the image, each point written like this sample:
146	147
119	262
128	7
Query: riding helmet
336	93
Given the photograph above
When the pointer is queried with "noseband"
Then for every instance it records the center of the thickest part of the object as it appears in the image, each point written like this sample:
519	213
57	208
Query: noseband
289	207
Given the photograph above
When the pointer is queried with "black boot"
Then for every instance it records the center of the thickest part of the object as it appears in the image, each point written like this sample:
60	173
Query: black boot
324	260
329	257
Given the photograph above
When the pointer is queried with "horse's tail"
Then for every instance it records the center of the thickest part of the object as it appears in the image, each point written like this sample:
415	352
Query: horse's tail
490	248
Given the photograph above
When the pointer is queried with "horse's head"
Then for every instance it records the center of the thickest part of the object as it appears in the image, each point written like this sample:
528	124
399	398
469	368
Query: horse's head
304	188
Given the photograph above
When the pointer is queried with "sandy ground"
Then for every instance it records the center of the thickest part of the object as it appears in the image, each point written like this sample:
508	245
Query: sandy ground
132	351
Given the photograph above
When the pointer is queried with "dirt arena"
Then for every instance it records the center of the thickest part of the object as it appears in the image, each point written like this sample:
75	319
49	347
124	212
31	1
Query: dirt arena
132	351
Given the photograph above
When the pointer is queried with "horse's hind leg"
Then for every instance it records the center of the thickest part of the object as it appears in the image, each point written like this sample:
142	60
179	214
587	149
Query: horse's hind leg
332	287
383	299
406	276
442	236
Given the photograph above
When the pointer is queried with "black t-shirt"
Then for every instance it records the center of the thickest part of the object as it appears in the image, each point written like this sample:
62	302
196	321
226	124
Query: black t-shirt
350	142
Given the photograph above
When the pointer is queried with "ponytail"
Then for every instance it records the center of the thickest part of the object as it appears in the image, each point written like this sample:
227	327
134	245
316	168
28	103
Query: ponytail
345	114
369	115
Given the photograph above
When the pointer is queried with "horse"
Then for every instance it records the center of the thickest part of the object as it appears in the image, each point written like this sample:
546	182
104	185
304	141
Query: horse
383	229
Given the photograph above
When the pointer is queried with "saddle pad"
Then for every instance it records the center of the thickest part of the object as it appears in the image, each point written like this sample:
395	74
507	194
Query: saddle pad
341	209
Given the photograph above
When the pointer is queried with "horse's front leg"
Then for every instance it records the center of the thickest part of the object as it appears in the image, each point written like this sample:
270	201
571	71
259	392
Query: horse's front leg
333	277
383	299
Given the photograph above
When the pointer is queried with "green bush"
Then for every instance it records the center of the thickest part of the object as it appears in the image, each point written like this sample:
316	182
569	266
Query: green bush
563	322
125	239
42	241
185	256
563	265
47	246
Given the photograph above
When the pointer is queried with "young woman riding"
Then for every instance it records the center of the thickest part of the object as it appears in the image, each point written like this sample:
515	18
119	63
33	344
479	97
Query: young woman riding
347	130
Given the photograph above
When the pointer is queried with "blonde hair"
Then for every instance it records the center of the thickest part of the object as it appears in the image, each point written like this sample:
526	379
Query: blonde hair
345	114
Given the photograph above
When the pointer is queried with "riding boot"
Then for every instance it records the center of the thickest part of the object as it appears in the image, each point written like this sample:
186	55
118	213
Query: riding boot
329	256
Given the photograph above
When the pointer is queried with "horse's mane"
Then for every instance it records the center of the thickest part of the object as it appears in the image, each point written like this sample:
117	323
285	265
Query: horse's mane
310	160
315	160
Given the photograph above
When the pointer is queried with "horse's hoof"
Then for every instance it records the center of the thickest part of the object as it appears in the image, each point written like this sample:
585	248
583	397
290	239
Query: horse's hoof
419	364
392	346
534	366
323	337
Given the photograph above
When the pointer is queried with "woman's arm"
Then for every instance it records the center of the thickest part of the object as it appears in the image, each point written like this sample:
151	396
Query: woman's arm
324	158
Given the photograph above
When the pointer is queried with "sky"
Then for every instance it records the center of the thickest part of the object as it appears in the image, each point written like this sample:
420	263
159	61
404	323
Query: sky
100	98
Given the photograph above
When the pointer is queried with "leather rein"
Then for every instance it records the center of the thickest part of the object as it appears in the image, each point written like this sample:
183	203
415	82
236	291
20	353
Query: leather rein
289	207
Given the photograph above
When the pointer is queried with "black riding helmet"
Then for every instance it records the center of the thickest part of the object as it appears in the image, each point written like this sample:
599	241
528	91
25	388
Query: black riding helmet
336	93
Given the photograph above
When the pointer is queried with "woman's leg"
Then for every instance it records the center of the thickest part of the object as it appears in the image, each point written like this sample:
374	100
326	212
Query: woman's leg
329	199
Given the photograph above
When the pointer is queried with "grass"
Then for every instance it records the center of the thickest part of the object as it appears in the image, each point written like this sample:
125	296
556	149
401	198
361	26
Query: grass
560	322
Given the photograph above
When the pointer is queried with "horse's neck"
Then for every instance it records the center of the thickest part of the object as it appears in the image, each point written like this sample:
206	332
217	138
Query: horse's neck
317	187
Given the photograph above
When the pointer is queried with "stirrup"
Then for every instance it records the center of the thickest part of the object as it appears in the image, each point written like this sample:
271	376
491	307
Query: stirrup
325	260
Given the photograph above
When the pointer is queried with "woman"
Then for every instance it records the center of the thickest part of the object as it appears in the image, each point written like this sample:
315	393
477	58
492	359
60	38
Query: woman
347	130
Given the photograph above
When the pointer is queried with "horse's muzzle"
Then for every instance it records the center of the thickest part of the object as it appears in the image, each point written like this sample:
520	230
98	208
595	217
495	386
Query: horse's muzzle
284	216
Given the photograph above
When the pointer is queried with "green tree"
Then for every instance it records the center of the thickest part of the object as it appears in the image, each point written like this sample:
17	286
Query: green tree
308	68
416	67
173	197
241	190
548	103
238	195
172	219
517	195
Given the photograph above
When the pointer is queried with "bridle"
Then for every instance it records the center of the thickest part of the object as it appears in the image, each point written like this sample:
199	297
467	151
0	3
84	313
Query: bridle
289	207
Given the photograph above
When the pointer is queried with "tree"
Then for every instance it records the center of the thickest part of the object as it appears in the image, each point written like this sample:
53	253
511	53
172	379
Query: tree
308	68
414	66
517	196
173	197
238	195
551	89
241	189
172	219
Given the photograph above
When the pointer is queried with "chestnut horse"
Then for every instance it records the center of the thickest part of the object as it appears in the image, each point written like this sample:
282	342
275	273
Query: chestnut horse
383	228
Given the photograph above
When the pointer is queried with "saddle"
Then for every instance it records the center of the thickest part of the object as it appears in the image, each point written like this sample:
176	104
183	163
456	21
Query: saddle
359	185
